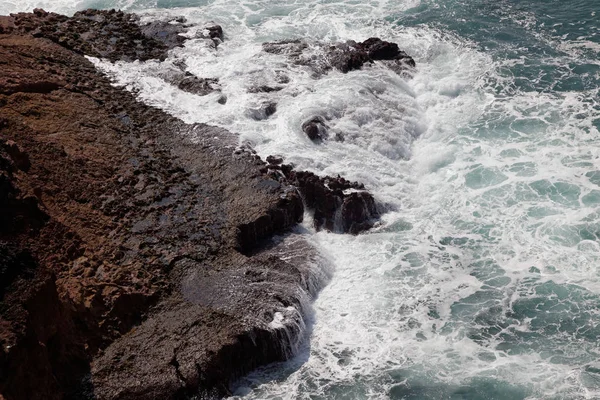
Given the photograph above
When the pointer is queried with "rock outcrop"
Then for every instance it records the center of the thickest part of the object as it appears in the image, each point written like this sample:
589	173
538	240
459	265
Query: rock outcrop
339	205
137	258
117	220
114	35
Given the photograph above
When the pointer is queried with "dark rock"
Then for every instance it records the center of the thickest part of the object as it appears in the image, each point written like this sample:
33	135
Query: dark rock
164	32
316	129
222	99
190	83
18	156
351	55
378	49
106	207
339	205
213	32
264	111
345	57
102	33
264	89
288	47
358	211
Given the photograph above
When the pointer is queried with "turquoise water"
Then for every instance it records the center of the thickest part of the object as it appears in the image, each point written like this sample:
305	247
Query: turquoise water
482	280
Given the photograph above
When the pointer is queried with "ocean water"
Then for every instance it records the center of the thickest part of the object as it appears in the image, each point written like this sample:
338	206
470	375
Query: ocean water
482	280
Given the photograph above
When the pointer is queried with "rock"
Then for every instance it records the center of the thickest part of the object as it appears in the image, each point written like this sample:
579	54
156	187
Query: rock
339	205
292	48
378	49
316	129
190	83
264	111
345	56
351	55
102	33
264	89
107	206
164	32
213	32
274	160
17	155
358	211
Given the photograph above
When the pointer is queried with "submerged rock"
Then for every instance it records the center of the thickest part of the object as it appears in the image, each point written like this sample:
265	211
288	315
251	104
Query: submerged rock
316	129
264	111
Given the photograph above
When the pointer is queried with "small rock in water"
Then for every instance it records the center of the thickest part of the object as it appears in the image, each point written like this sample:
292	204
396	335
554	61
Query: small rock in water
339	205
213	32
316	129
264	111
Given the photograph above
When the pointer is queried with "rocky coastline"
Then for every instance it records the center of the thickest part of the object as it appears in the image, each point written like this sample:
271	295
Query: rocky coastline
142	257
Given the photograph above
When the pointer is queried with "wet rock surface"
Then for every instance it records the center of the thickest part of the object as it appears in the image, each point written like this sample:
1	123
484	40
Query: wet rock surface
108	207
339	205
190	83
137	258
107	34
316	129
343	56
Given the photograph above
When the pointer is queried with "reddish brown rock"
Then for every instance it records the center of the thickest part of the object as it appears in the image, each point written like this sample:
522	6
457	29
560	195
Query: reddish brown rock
106	208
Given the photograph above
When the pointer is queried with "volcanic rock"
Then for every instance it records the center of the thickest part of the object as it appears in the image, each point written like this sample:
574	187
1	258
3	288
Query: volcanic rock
339	205
107	207
316	129
344	56
101	33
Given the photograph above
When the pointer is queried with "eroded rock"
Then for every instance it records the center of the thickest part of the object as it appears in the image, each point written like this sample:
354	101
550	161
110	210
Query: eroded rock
316	129
101	33
105	206
344	56
339	205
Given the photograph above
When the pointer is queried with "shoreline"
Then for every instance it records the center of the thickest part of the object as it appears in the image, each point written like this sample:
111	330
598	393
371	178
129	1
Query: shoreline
140	263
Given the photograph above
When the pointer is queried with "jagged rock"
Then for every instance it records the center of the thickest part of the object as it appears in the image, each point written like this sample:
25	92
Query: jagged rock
264	111
274	160
17	155
264	89
105	208
316	129
292	48
345	56
212	32
190	83
339	205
